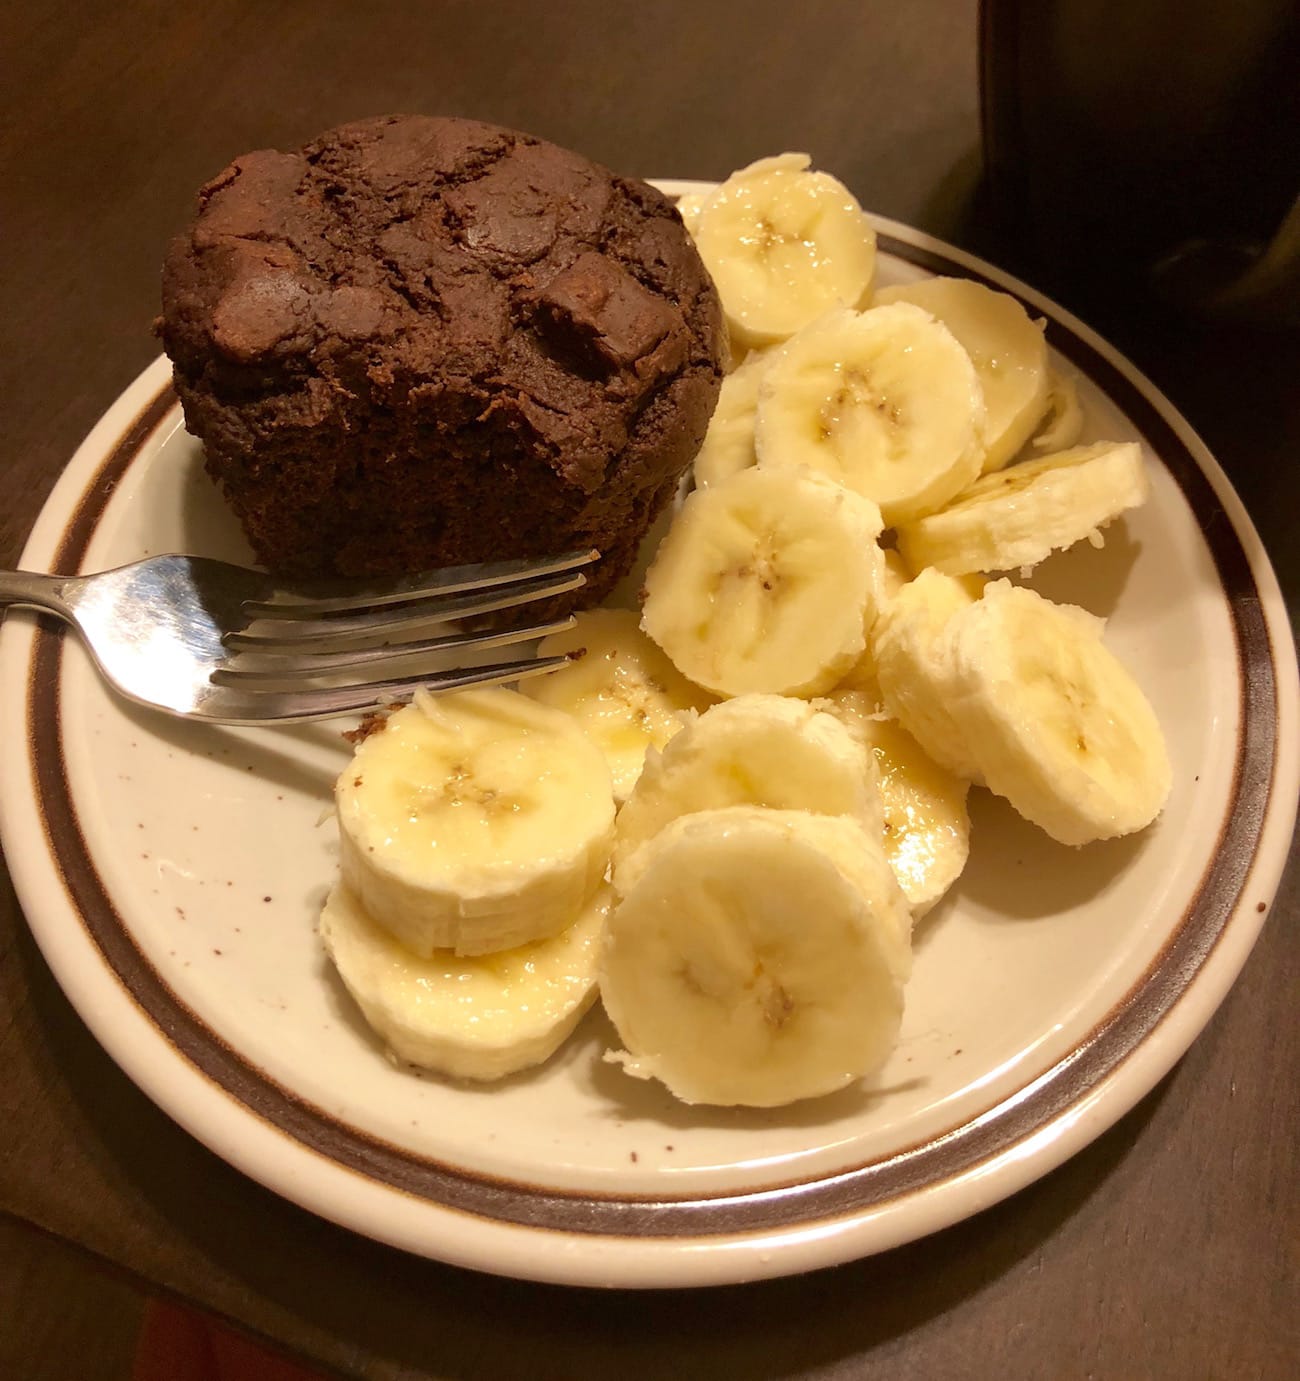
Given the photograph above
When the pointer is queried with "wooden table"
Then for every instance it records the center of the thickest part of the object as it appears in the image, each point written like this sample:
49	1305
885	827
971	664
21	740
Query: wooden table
1171	1247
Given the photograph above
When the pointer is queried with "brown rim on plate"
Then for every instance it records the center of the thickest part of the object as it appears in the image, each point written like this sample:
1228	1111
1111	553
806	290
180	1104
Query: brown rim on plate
944	1157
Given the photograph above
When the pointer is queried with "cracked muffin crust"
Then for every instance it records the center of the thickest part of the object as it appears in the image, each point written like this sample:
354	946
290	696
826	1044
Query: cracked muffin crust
424	341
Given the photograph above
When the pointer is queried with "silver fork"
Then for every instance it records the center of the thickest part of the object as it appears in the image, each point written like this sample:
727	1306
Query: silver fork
206	640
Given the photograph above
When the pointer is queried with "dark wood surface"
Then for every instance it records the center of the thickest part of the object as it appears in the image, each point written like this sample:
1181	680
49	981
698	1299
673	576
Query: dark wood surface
1169	1248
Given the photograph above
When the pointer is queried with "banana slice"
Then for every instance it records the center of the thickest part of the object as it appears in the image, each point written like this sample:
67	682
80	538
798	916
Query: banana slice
1007	348
861	676
766	582
624	692
759	750
478	1018
689	206
1064	422
926	825
475	822
913	665
1018	516
759	959
783	245
885	402
1056	723
728	444
894	576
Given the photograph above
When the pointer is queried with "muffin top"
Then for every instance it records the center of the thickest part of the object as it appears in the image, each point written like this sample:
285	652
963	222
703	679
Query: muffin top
408	256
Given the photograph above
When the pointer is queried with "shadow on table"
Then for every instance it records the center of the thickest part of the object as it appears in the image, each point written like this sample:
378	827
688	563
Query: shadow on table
199	1227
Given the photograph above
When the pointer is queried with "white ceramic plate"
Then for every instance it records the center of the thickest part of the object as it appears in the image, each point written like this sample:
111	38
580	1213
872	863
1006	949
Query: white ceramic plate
172	875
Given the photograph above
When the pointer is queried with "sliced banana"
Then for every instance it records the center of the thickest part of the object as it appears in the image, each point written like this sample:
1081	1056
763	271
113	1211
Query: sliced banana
766	582
861	676
689	206
1056	723
913	665
1016	517
885	402
759	959
1064	423
475	822
624	692
728	444
480	1018
759	750
1007	348
926	825
784	244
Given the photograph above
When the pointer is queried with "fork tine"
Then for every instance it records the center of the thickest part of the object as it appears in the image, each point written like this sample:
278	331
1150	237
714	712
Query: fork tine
261	668
328	702
312	599
334	633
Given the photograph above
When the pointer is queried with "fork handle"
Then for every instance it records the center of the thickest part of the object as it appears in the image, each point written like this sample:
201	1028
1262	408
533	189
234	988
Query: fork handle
35	590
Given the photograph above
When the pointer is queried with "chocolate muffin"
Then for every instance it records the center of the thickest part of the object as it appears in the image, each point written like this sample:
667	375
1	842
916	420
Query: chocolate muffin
424	341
